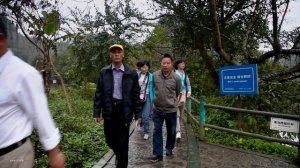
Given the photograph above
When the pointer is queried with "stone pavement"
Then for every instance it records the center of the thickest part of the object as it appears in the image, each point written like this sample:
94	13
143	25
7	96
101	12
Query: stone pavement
140	150
193	154
220	156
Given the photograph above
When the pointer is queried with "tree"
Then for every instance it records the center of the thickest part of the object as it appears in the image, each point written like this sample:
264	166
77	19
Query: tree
217	26
94	33
39	21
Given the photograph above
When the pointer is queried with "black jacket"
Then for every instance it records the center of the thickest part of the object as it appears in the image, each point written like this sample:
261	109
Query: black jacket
130	92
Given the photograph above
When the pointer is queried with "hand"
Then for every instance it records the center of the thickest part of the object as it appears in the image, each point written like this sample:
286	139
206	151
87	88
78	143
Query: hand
97	120
188	95
178	97
56	158
138	121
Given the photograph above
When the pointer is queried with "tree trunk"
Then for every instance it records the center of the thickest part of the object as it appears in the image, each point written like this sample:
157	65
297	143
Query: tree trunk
67	97
46	73
217	34
208	63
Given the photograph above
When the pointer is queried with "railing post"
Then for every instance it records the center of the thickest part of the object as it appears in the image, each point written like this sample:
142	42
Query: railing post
189	109
202	115
299	145
239	114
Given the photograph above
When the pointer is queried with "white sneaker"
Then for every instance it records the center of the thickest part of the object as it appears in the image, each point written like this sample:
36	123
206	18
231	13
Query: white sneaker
146	136
178	136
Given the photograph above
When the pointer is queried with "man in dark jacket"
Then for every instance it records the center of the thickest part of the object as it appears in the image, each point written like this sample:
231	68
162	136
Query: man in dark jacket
117	97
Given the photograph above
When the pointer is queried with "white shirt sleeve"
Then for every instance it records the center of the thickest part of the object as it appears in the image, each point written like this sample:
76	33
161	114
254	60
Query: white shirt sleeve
33	100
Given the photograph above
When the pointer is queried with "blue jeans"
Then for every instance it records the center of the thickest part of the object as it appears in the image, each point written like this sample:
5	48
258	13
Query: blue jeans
146	114
158	119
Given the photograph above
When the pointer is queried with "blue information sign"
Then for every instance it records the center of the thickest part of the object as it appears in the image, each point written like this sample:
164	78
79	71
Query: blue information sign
240	79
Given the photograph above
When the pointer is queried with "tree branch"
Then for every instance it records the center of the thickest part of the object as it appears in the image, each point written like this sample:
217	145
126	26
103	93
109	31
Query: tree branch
275	26
251	23
292	70
236	8
218	42
270	54
290	78
27	37
282	19
296	42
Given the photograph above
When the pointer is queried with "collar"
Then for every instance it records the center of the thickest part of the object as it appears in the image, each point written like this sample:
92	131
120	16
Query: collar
164	76
4	59
122	68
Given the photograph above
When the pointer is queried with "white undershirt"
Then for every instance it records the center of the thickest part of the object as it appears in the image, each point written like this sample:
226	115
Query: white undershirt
23	104
143	85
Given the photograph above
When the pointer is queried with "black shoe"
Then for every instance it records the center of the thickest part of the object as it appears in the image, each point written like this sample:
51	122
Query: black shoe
169	152
155	159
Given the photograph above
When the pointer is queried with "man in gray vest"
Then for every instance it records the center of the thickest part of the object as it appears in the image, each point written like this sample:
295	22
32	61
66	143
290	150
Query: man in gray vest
167	87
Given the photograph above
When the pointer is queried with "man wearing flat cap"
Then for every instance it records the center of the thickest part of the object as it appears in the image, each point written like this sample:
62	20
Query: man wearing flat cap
117	99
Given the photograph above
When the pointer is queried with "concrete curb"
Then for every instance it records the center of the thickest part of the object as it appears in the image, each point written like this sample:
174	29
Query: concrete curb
110	154
193	150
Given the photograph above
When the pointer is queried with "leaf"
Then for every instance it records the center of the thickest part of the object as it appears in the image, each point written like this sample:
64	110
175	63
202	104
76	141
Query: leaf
51	22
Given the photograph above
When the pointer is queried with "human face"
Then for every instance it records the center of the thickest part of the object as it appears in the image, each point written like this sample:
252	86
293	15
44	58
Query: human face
166	65
144	69
181	65
116	55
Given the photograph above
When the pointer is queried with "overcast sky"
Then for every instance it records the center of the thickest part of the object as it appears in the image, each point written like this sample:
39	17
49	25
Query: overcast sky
82	4
291	20
292	17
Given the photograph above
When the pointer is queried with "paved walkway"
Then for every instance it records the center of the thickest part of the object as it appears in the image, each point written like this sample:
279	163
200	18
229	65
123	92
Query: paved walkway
220	156
140	150
193	154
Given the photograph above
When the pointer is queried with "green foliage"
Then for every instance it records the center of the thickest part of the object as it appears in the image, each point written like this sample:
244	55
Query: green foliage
90	53
82	141
247	143
256	145
51	23
252	123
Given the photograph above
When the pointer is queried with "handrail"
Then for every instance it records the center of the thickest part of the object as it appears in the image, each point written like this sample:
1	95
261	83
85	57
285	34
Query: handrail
266	113
247	133
202	118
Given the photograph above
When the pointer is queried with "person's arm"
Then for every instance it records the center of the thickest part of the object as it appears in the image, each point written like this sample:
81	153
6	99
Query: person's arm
188	85
136	97
32	98
97	99
56	158
178	85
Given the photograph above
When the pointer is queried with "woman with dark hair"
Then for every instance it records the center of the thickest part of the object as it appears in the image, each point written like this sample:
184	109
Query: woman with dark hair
146	94
138	66
186	92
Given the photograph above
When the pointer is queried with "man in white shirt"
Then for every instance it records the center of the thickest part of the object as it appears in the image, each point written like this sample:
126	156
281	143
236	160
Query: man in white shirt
23	105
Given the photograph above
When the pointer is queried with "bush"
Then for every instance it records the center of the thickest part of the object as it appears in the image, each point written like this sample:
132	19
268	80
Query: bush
82	142
256	145
246	143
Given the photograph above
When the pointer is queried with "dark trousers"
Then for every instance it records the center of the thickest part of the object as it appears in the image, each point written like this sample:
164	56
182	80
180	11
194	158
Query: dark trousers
158	119
117	135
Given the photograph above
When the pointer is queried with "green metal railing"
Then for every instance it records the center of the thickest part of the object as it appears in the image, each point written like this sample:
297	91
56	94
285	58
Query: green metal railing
202	117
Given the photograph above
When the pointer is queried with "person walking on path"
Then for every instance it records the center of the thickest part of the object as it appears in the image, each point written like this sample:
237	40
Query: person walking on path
146	95
167	87
186	92
117	98
23	105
